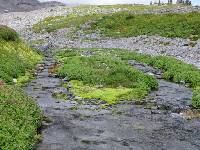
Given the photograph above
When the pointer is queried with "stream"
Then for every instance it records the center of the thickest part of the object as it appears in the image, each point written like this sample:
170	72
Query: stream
78	124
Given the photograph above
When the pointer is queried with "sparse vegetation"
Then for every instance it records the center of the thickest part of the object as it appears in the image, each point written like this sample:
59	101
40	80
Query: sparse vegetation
52	24
85	13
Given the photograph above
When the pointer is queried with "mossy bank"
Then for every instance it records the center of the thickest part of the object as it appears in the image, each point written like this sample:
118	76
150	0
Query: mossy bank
105	74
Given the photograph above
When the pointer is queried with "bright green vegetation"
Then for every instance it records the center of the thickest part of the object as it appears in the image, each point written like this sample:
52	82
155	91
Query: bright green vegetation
52	24
19	119
125	24
16	58
104	77
109	94
174	70
19	115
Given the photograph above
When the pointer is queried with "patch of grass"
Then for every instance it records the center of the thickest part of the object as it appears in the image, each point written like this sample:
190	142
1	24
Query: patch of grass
85	13
52	24
125	24
174	70
196	97
104	77
19	119
194	37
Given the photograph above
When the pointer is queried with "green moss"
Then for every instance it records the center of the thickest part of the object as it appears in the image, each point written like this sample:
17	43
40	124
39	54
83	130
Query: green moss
59	95
110	95
19	119
174	70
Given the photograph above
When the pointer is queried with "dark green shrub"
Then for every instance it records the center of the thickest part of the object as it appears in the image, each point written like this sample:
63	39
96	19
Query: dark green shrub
20	118
8	34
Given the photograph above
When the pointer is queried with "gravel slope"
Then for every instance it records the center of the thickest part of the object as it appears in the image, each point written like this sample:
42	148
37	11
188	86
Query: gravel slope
24	5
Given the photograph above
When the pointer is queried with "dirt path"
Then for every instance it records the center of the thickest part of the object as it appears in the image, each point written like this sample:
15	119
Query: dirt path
79	124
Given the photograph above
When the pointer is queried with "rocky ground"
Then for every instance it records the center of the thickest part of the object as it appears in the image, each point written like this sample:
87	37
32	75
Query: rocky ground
25	5
159	123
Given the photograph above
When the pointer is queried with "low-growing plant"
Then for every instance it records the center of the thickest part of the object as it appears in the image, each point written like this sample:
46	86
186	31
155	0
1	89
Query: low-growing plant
52	24
174	70
116	79
196	97
16	58
126	24
20	118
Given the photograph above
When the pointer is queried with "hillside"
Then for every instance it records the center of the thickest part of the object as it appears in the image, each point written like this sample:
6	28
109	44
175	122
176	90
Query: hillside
24	5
